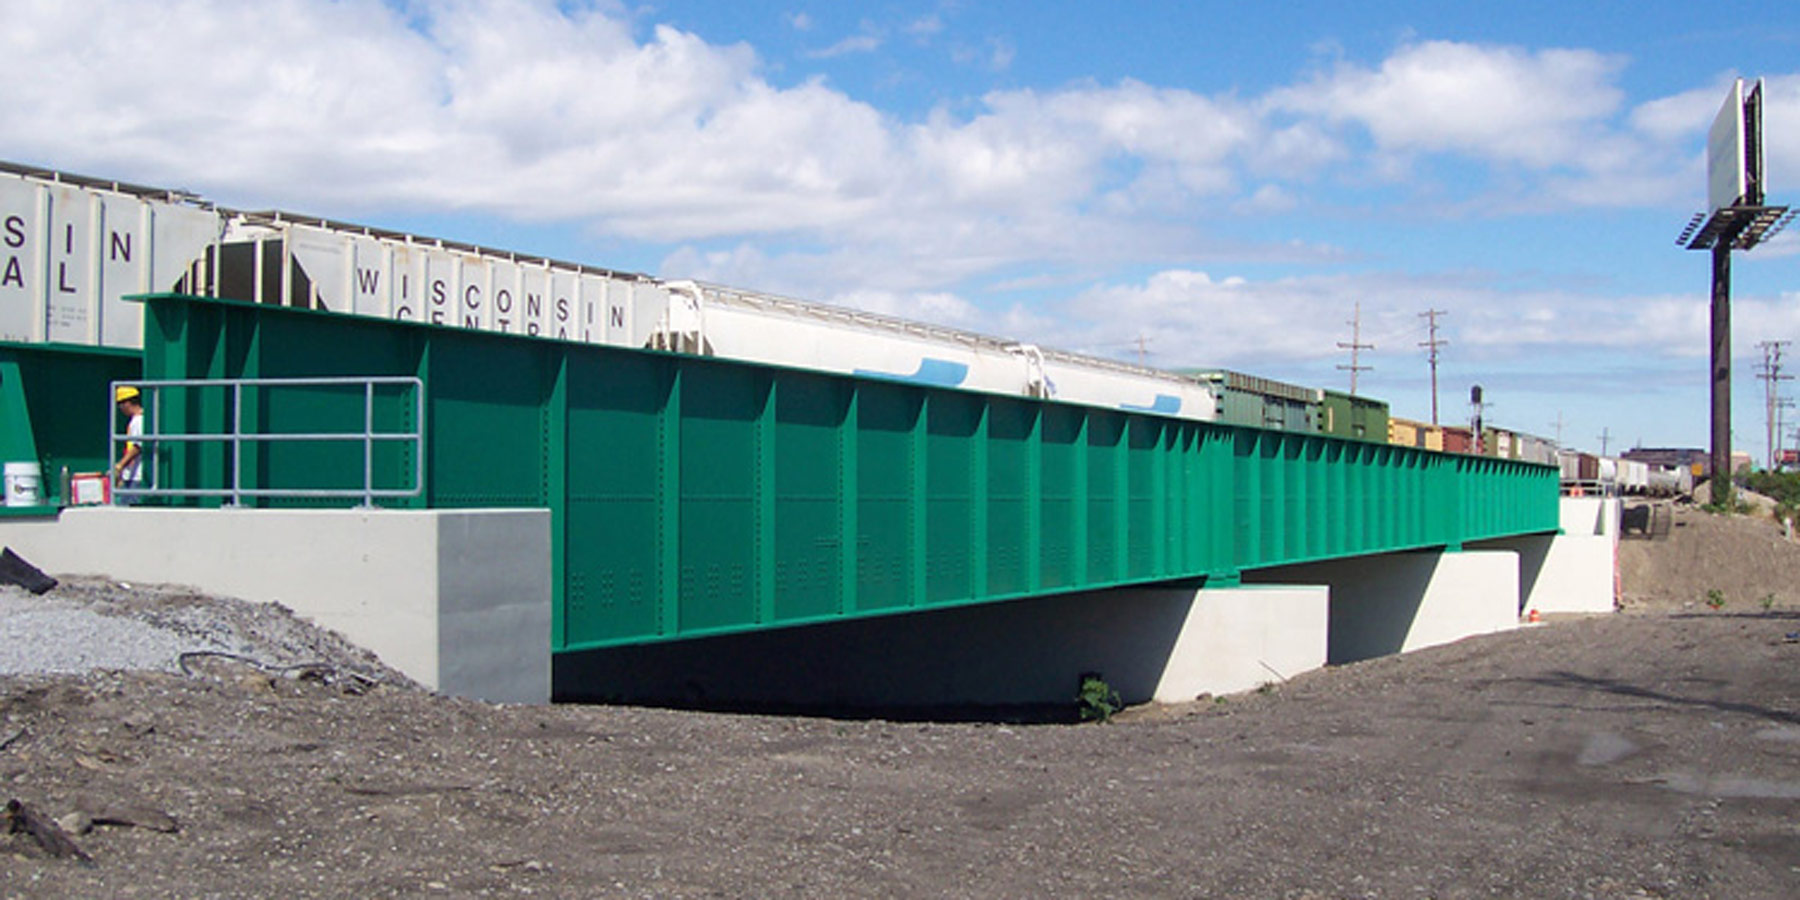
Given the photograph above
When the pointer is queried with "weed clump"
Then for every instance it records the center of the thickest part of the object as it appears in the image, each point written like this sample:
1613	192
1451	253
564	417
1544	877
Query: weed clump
1096	701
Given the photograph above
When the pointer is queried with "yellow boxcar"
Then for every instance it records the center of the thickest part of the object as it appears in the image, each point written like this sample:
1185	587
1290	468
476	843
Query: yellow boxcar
1404	432
1434	437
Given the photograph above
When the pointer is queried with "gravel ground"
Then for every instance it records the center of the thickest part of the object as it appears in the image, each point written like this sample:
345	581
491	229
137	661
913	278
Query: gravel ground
89	624
1654	753
55	635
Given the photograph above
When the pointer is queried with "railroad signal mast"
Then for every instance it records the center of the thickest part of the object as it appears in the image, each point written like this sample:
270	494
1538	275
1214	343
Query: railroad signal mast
1476	429
1737	219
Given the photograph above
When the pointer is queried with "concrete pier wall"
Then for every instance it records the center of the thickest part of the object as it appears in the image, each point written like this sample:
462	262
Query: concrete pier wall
459	600
1572	572
1397	602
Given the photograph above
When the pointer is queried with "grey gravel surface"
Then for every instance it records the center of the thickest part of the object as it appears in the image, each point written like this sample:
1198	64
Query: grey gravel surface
88	624
53	635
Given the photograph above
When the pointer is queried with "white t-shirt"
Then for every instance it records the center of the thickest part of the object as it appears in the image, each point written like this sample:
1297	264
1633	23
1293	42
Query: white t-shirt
132	471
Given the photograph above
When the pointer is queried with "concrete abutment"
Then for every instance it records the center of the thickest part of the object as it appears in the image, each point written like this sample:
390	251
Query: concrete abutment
458	599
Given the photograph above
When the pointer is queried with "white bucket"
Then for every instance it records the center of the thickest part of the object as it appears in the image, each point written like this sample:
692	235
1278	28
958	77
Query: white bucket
24	484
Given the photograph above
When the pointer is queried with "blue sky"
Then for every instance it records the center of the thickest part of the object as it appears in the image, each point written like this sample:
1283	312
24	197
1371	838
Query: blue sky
1223	182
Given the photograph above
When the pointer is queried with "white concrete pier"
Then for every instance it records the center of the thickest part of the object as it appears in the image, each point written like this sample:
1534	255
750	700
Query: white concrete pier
1397	602
1572	572
458	599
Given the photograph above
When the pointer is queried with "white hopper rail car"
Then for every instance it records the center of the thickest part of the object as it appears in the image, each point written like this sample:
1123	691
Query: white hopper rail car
736	324
74	246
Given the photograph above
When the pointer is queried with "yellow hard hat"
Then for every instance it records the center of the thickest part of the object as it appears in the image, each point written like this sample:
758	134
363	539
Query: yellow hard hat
125	393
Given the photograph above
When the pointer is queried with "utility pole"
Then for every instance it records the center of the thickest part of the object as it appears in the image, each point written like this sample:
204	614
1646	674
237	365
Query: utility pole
1355	347
1431	317
1770	375
1558	425
1143	348
1605	436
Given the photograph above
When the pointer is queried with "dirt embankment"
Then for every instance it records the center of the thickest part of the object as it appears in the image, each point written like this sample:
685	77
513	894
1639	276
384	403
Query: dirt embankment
1645	755
1748	560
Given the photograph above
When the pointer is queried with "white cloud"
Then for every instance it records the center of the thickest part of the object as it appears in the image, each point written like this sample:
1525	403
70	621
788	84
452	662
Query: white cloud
925	26
800	21
529	111
928	306
1194	319
856	43
1001	53
1679	116
995	54
1300	151
1034	149
1270	198
1537	109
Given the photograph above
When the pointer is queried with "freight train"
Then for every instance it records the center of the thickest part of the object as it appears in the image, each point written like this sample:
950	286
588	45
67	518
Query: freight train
76	246
72	247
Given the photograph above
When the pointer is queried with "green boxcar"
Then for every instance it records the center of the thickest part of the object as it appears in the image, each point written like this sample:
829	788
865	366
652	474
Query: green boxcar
1351	416
1261	402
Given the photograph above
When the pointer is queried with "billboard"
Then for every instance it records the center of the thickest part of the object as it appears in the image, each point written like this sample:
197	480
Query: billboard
1734	153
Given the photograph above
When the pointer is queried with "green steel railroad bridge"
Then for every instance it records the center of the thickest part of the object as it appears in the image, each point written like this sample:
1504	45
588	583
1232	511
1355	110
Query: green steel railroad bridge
693	496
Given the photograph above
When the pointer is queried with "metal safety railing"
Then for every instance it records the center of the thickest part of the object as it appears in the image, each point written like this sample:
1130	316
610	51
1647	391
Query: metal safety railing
237	438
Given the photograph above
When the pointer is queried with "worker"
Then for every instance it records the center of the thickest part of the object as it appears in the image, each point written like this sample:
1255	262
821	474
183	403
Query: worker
128	472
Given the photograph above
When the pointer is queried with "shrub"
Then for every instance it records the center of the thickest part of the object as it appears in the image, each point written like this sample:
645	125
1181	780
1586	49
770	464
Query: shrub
1096	701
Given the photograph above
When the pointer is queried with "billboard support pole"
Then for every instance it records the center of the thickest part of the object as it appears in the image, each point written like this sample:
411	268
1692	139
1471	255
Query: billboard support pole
1736	188
1721	375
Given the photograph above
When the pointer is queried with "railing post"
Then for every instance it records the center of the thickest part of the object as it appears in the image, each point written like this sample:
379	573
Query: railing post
237	439
369	443
419	438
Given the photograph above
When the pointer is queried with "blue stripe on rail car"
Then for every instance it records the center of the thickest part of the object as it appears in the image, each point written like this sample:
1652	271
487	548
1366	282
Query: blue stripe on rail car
1166	404
933	372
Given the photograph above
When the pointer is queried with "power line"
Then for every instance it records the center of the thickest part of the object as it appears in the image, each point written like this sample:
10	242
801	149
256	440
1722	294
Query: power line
1431	317
1356	346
